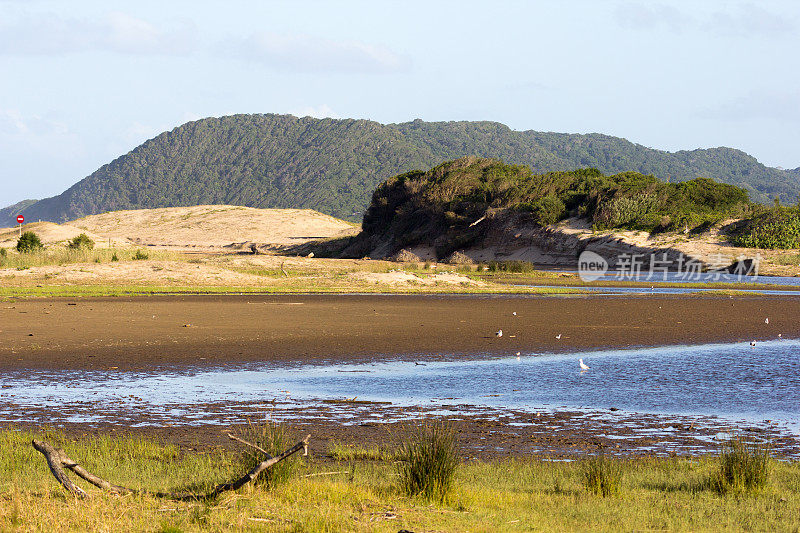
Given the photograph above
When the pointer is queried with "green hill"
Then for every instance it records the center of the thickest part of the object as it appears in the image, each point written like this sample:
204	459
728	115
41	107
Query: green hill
445	207
333	166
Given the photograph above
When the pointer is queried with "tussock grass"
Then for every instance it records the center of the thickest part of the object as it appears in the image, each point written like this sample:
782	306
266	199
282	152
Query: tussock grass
744	467
601	475
273	438
428	460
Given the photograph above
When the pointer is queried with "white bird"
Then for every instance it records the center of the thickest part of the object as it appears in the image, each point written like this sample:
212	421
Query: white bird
558	336
583	366
499	333
518	356
766	321
753	344
514	313
780	335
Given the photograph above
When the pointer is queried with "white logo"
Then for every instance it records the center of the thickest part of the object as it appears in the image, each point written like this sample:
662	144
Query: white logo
591	266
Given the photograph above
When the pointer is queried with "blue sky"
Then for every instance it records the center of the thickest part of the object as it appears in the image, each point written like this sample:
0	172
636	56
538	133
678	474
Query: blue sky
83	82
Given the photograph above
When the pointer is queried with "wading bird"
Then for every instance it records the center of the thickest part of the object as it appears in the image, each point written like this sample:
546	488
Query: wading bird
583	365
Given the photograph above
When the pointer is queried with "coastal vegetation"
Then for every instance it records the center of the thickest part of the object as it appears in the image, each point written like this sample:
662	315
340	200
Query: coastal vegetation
325	494
333	166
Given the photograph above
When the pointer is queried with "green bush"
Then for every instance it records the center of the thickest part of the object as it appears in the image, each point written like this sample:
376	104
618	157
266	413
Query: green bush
81	242
511	266
601	476
114	257
428	461
548	210
273	438
29	242
744	467
778	228
140	255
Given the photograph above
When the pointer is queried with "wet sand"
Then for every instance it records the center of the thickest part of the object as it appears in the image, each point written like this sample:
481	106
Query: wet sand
124	334
147	332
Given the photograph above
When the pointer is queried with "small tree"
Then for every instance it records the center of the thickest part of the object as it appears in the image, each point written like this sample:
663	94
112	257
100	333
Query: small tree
81	241
29	242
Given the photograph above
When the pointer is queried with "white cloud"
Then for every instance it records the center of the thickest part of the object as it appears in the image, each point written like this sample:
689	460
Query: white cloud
738	20
37	134
118	32
312	54
320	111
778	106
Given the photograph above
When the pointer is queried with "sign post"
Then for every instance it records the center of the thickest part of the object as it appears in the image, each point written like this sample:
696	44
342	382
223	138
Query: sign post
20	219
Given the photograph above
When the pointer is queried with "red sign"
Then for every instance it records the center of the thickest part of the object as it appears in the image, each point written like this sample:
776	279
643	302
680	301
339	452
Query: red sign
20	219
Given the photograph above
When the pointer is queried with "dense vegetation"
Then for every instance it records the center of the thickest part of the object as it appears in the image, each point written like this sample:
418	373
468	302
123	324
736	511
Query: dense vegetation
334	165
778	227
451	199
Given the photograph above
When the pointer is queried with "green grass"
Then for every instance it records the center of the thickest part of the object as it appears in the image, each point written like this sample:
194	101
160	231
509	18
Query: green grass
428	460
602	476
358	452
509	495
744	467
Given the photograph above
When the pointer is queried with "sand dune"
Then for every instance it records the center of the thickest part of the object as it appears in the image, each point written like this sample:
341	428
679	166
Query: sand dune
203	226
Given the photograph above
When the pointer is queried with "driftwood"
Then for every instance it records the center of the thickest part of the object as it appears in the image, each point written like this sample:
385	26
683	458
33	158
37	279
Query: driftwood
57	460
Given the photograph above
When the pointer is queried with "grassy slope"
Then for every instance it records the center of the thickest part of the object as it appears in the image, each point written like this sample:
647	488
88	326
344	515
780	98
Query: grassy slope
517	495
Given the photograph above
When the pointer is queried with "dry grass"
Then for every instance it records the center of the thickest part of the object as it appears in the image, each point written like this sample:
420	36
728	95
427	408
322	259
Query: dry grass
517	495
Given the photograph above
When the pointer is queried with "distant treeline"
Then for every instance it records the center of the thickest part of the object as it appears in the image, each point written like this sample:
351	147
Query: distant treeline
333	166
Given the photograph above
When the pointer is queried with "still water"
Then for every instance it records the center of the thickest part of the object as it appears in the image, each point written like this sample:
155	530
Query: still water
731	381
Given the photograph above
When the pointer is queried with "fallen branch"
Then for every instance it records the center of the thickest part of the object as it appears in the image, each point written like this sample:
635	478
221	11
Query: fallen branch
57	460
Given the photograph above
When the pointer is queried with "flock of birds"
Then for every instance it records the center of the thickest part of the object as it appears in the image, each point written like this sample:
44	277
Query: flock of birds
583	366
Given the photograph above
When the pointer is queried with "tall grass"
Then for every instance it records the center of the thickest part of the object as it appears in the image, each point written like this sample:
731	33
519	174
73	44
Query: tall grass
744	467
58	255
428	461
273	438
601	475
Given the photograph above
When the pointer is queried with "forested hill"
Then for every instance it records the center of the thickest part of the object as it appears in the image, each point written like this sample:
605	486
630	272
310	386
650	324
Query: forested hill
333	166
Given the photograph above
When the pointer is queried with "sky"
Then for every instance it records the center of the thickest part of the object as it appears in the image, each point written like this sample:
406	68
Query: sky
83	82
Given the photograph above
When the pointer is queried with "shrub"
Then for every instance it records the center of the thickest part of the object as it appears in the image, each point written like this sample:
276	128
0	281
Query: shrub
140	255
3	252
114	257
82	241
777	228
428	461
511	266
548	210
601	476
29	242
744	467
273	438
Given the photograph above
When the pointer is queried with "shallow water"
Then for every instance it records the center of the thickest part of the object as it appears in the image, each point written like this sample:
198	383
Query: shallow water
696	277
735	382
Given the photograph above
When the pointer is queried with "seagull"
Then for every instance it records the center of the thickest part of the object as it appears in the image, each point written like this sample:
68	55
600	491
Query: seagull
499	333
518	353
558	336
753	344
514	313
583	366
766	321
780	335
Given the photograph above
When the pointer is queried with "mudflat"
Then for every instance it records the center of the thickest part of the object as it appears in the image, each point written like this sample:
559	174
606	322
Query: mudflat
148	332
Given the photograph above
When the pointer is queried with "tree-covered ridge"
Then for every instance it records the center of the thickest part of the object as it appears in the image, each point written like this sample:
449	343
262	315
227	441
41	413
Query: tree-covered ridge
416	207
334	165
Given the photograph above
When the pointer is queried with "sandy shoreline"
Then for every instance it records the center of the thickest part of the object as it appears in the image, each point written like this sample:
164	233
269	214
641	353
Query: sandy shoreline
146	332
128	334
